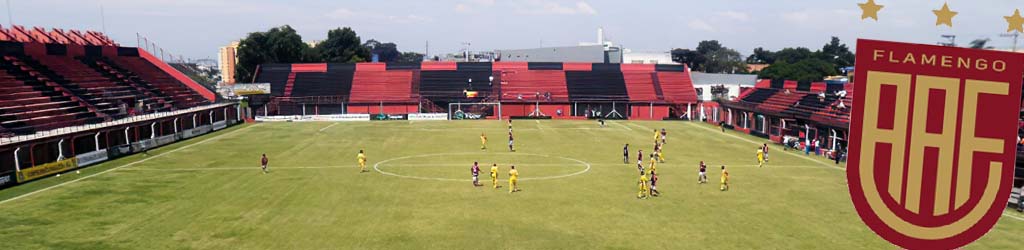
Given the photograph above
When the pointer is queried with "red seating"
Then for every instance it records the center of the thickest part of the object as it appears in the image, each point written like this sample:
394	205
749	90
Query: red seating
183	96
677	87
640	86
530	82
377	84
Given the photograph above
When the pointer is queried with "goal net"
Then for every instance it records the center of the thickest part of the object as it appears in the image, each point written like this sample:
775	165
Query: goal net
474	110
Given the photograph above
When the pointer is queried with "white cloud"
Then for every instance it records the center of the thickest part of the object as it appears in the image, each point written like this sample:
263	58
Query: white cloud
346	14
551	7
734	15
585	8
698	24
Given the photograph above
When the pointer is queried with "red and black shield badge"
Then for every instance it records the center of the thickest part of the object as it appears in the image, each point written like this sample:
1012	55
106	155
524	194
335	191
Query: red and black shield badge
932	141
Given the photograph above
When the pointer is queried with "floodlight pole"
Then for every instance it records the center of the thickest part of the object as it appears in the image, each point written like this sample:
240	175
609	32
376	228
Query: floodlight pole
1015	35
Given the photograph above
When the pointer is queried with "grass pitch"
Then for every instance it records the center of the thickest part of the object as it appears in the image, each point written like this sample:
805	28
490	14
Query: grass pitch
208	193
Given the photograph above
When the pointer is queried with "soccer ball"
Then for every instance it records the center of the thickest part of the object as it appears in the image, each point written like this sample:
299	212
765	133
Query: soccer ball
78	172
58	175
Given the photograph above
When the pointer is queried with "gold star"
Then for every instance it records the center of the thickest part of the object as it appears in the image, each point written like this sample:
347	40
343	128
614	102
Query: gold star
870	10
944	16
1015	21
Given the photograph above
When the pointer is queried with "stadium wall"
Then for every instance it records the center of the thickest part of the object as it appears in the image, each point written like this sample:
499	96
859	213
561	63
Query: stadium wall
25	158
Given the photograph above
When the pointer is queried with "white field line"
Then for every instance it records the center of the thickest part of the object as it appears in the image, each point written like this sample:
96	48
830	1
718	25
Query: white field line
325	128
624	126
642	126
255	168
124	166
1013	216
759	143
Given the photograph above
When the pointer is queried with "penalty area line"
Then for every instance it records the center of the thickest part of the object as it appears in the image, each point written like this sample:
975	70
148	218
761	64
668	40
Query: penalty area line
325	128
123	166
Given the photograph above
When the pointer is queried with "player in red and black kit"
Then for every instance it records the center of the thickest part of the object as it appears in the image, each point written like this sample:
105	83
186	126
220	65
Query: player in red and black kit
511	142
475	169
640	161
702	174
654	184
263	162
764	149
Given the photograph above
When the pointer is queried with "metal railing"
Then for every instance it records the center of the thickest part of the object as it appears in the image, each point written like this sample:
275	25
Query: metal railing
87	127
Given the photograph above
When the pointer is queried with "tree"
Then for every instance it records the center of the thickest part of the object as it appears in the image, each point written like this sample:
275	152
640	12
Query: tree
706	47
810	69
760	56
277	45
711	57
838	53
981	44
689	57
793	55
342	46
410	57
386	52
724	60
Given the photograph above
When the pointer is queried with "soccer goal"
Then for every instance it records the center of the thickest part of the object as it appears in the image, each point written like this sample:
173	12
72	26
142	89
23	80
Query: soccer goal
473	110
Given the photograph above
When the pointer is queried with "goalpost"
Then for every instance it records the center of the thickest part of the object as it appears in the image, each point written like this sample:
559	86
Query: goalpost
473	110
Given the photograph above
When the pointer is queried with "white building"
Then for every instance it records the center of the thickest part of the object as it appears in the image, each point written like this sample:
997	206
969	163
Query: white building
631	57
703	82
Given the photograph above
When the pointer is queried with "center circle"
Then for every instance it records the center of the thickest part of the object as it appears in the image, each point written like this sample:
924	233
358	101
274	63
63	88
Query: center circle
455	166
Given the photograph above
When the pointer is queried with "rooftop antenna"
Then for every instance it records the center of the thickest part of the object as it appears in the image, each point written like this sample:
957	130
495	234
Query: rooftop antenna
10	20
103	18
1015	35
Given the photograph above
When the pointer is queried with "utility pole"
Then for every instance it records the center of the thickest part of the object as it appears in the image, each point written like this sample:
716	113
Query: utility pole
10	19
1015	35
103	19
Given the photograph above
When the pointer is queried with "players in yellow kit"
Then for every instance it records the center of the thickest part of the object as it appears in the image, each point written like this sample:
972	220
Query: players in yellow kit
725	179
760	157
362	161
654	163
494	175
513	180
656	136
661	156
483	141
643	187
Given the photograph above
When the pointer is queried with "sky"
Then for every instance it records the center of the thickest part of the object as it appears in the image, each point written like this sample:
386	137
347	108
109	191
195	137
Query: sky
197	28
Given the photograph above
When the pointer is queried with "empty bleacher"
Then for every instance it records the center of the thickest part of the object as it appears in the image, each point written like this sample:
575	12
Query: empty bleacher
603	82
676	87
639	79
55	79
182	95
451	84
29	104
531	82
377	84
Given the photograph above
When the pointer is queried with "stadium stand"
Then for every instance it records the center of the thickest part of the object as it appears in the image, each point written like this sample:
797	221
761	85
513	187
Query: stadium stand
521	81
63	78
377	84
524	88
602	82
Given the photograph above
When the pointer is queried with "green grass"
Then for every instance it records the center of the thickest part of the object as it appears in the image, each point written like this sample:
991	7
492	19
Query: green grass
208	193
